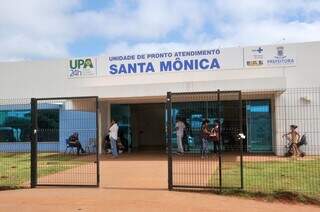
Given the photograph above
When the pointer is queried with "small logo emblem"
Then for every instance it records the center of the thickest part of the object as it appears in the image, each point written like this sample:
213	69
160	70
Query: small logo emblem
280	52
280	58
259	50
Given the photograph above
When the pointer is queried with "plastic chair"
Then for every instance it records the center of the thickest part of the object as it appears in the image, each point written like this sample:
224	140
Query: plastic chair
91	146
69	147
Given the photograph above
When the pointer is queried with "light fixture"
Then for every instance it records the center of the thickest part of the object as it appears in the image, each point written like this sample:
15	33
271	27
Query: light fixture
306	99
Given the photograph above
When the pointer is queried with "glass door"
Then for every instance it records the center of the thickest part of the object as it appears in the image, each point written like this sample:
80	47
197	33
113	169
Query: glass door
259	126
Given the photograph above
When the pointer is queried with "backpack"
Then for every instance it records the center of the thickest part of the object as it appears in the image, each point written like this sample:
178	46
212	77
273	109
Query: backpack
303	140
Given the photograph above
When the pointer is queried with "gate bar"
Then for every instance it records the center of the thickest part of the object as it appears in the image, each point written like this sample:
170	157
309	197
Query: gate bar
203	92
241	140
219	147
169	140
34	128
67	98
203	187
97	141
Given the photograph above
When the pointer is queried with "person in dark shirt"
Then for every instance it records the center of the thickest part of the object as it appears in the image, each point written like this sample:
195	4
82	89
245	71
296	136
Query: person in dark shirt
215	136
74	141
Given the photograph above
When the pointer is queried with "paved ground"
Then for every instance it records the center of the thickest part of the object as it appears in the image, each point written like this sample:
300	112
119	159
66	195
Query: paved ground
132	183
79	174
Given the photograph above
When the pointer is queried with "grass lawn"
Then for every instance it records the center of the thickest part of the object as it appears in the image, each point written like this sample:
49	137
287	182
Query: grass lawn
297	176
15	167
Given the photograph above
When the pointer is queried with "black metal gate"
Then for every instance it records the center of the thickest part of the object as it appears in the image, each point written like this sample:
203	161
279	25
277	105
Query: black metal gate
65	147
208	163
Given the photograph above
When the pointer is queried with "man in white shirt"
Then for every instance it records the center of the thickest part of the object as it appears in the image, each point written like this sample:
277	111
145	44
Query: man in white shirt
113	135
180	126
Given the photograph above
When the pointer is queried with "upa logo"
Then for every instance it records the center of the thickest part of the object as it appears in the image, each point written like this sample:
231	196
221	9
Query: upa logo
81	63
82	67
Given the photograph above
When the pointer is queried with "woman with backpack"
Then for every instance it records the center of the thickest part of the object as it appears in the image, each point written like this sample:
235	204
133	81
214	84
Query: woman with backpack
294	138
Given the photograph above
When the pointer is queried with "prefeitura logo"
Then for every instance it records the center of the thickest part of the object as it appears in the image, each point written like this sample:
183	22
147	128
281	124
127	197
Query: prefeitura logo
82	67
280	58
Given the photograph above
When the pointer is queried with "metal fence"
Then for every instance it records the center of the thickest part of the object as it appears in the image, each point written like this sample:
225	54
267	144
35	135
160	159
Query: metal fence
37	144
264	161
203	162
15	137
270	158
67	128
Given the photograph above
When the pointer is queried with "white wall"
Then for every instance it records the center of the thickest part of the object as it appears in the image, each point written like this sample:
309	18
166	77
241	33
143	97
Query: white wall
307	71
300	107
104	122
76	121
49	78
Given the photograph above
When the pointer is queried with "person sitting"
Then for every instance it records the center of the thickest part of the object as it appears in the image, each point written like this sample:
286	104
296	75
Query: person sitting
74	142
107	144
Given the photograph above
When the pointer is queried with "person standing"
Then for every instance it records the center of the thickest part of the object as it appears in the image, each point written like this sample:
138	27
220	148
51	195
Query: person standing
204	137
185	139
113	135
215	136
180	127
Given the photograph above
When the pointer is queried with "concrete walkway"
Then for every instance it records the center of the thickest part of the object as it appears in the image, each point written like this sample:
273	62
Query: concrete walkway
135	171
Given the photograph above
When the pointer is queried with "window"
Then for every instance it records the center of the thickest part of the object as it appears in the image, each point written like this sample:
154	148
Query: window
48	125
15	125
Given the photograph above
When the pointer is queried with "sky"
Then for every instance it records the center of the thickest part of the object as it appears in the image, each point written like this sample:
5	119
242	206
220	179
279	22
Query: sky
46	29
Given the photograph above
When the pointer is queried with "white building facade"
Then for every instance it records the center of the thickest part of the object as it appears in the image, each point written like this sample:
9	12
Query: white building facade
265	73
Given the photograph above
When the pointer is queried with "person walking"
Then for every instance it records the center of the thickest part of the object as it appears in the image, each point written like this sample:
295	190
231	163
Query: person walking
113	135
180	127
294	137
